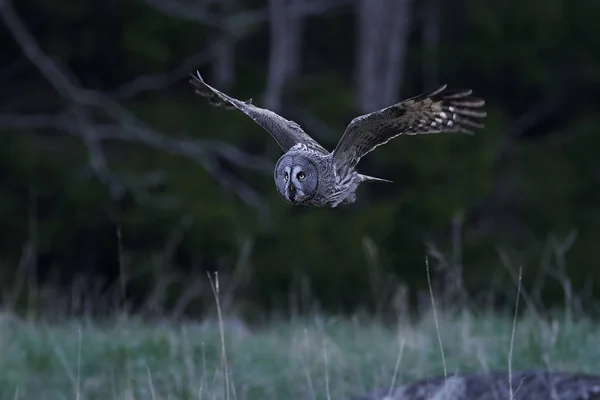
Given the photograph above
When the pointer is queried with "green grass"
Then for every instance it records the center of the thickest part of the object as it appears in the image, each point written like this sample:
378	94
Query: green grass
129	359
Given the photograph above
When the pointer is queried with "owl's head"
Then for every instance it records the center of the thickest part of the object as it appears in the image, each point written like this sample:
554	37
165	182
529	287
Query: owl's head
296	178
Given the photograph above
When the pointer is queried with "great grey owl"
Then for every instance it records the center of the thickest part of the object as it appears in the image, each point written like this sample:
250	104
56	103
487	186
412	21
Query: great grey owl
307	174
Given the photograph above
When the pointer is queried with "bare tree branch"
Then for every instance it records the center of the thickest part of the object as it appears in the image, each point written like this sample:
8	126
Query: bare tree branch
97	160
239	21
229	30
285	18
145	83
198	11
191	148
126	126
202	152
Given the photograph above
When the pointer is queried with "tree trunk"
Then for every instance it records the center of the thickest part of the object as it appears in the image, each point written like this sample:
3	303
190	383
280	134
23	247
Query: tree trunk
383	32
284	57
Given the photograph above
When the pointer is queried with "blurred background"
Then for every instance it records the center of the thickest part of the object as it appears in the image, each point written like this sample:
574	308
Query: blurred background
121	188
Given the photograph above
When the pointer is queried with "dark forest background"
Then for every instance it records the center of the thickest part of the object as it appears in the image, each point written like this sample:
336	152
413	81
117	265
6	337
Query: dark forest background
122	188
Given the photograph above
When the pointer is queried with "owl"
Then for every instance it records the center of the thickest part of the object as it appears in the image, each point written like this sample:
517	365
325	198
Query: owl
307	174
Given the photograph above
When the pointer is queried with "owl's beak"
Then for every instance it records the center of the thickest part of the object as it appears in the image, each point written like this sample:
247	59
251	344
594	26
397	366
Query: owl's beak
292	191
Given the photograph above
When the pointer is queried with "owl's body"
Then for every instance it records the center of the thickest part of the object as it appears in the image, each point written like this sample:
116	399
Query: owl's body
334	185
308	174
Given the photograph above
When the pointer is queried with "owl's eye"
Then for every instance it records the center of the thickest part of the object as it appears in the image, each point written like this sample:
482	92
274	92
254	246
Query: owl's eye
301	176
286	176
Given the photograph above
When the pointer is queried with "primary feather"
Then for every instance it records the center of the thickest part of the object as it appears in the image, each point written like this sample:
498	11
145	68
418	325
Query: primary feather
286	133
438	111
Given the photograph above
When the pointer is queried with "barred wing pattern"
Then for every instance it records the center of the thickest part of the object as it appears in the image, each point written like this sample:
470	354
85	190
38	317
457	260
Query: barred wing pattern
434	112
286	133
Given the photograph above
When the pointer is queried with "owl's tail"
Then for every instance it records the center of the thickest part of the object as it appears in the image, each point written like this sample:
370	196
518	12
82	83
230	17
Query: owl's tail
367	178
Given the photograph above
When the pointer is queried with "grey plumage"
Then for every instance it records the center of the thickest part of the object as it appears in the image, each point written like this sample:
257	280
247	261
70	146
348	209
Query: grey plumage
308	174
526	385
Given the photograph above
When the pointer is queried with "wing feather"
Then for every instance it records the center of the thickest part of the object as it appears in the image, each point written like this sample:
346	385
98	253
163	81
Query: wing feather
438	111
286	133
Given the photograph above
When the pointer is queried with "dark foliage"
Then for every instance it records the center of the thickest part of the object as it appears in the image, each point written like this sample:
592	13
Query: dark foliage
144	229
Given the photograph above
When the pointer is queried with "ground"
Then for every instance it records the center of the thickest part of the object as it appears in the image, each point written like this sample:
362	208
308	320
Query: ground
313	358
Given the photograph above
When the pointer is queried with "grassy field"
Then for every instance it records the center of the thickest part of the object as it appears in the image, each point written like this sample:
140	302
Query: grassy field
317	358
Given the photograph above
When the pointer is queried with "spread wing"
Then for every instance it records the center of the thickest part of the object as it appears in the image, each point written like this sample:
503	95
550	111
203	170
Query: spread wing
286	133
434	112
